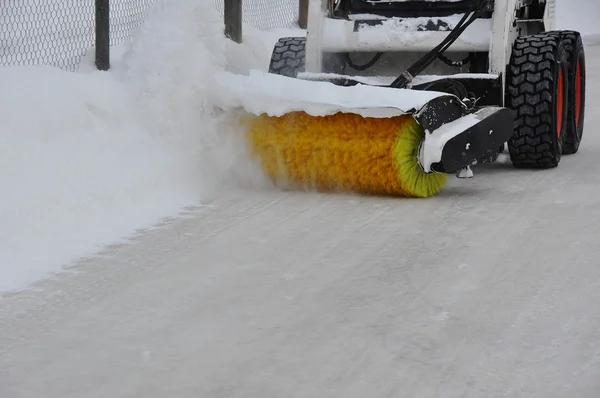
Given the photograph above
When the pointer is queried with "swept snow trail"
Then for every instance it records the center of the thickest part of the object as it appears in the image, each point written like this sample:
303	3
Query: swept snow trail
489	290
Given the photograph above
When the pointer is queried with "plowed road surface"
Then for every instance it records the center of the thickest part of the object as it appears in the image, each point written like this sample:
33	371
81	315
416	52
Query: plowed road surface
491	289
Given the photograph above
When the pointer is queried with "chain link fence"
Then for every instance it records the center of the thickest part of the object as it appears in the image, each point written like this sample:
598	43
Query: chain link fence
45	32
267	14
60	32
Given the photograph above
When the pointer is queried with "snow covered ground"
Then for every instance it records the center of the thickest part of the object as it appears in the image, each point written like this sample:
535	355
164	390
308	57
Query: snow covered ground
88	158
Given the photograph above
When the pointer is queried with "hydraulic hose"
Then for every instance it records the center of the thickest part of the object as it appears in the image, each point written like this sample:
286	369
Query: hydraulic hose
477	9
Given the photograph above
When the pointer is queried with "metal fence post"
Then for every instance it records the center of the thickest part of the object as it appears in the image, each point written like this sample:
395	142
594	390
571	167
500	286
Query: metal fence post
102	35
233	20
302	14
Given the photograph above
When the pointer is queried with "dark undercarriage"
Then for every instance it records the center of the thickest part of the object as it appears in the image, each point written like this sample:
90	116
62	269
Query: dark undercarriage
408	9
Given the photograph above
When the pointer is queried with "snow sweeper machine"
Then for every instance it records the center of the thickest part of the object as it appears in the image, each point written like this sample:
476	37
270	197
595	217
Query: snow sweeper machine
391	97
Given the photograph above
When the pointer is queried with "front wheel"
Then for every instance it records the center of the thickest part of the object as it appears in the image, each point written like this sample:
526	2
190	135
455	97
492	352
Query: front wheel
537	85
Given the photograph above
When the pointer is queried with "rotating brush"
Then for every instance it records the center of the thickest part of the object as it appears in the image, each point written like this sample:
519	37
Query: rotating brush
343	152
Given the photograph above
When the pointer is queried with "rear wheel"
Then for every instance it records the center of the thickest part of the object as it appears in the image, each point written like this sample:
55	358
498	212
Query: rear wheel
576	92
289	58
537	90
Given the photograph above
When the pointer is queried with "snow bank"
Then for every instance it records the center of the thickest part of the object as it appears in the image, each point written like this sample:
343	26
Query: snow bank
87	158
77	170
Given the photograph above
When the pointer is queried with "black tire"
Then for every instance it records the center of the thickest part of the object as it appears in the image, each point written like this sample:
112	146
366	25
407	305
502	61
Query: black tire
289	58
536	89
576	96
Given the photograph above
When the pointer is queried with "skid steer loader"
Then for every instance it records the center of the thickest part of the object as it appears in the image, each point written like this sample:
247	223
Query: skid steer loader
474	75
498	60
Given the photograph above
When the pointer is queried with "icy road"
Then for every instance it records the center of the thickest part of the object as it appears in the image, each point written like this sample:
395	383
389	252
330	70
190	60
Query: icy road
491	289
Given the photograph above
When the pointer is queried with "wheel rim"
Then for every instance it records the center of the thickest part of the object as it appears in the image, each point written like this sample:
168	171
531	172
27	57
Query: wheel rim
578	92
559	102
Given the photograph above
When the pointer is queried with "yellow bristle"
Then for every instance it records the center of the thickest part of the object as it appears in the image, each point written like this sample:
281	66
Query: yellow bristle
344	151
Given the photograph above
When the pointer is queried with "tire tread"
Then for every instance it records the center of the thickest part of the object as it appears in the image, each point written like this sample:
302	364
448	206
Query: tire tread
529	91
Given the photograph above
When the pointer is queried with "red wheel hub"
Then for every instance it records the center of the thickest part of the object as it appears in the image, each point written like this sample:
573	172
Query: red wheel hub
578	97
559	102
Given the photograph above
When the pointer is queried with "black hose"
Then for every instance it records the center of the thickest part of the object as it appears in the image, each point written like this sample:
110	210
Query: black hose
477	9
448	86
364	66
450	62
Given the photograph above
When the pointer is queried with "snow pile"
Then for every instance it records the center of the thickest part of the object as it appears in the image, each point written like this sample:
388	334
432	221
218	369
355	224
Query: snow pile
77	170
87	158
